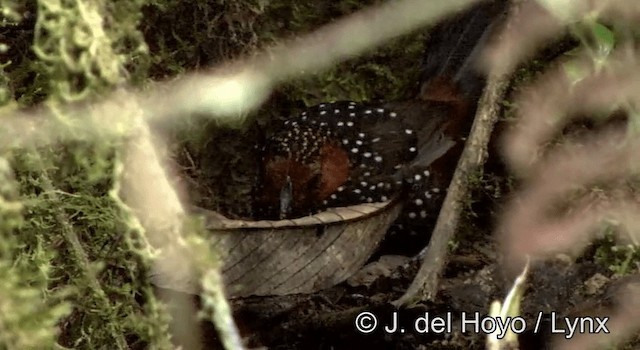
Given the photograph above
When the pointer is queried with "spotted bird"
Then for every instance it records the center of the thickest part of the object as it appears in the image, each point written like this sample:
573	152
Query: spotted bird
345	152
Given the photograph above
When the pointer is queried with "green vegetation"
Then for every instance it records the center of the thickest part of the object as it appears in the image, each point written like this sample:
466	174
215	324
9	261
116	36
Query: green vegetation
74	267
621	259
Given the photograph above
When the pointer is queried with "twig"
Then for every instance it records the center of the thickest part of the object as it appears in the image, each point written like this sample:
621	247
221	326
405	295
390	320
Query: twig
148	194
424	285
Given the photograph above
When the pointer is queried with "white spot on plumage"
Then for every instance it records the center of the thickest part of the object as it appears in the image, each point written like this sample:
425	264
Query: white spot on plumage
351	107
322	105
336	111
363	184
349	123
333	196
383	198
426	173
417	177
408	131
352	114
427	195
435	190
367	154
380	184
357	191
323	112
354	150
392	114
378	159
380	110
361	135
358	142
375	140
419	202
345	141
373	187
340	124
412	149
423	214
369	199
412	215
368	111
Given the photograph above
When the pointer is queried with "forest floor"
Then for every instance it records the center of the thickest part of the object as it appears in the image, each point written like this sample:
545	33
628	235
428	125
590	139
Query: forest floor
473	278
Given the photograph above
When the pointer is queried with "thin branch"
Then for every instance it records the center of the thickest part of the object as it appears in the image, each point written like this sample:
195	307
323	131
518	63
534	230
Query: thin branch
425	284
148	193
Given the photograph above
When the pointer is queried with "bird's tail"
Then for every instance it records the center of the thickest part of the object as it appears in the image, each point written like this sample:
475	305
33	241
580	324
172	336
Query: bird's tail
450	81
449	69
442	113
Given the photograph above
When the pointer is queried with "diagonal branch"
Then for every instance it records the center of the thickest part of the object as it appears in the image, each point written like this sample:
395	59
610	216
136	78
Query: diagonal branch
425	284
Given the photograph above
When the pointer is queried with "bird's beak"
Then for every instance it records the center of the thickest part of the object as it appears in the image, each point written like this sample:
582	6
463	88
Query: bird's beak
286	197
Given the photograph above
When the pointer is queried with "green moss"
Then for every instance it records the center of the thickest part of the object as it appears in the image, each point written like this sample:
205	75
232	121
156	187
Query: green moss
205	33
30	312
388	72
621	259
90	287
73	265
65	191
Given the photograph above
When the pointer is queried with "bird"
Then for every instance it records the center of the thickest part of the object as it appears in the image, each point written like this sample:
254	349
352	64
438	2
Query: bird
343	153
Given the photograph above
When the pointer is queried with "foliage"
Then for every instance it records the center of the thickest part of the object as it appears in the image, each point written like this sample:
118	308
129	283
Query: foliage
73	263
621	259
30	311
81	273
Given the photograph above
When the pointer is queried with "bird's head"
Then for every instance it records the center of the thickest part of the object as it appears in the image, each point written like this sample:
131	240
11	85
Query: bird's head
300	168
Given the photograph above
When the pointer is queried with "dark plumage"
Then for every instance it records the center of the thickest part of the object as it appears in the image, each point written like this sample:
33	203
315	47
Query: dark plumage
344	153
